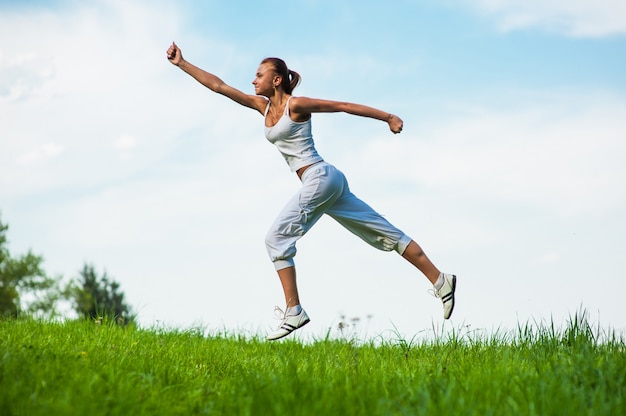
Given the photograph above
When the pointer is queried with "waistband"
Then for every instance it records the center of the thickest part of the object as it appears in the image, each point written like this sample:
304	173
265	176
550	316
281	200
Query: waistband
300	172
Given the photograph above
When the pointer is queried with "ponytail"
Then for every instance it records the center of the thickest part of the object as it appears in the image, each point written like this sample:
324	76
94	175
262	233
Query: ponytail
290	79
294	80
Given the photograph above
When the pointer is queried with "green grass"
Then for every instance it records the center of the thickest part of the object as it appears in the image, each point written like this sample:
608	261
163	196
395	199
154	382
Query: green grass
82	368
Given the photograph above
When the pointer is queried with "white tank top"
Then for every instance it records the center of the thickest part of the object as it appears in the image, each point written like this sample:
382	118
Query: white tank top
293	139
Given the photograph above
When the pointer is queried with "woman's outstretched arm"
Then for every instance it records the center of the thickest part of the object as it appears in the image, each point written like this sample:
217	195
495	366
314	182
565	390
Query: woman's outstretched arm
305	106
213	82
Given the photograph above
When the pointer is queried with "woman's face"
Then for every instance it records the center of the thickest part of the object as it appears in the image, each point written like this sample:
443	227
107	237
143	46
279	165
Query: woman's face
265	80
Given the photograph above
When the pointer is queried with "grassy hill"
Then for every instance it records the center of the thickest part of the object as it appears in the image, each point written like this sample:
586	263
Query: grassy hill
87	368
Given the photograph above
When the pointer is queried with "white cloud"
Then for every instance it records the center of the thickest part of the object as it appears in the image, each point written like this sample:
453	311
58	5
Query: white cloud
45	151
125	142
89	92
23	75
561	156
579	18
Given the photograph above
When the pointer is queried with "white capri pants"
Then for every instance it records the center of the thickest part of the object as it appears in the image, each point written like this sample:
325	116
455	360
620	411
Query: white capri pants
325	191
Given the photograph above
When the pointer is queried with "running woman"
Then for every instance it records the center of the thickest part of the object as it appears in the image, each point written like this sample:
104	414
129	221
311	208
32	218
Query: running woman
324	188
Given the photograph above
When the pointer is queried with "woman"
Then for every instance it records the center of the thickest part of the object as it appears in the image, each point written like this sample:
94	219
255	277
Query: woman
324	188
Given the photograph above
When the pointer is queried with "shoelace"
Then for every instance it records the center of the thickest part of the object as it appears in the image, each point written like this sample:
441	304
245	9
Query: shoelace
279	313
434	292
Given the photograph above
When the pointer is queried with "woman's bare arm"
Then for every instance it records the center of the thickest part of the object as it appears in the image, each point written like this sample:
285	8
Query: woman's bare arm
304	106
213	82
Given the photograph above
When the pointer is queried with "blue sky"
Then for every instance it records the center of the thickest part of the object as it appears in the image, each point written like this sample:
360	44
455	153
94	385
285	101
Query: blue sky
509	171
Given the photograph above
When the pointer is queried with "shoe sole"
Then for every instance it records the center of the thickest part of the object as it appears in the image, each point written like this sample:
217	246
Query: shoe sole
453	296
293	330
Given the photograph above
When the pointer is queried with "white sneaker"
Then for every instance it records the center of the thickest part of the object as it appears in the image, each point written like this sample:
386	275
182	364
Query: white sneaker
288	324
446	293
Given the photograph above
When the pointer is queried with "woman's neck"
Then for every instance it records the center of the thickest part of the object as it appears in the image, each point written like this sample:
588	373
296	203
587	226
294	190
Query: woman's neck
278	99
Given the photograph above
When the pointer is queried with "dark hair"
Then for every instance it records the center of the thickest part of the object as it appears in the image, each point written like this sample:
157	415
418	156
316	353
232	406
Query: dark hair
291	79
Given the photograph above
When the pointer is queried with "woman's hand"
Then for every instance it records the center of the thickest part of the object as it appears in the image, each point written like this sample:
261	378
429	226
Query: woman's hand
395	123
174	54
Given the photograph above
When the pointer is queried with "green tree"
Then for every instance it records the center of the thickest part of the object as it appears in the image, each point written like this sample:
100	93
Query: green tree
97	297
24	287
